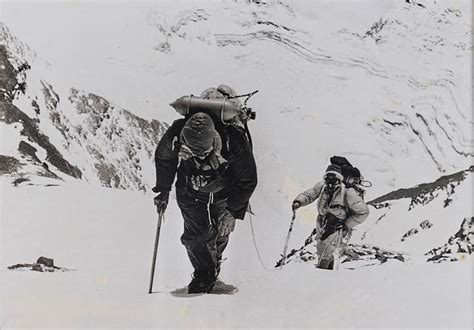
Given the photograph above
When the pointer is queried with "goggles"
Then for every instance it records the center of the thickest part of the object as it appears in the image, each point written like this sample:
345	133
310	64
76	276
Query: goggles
332	179
187	153
203	155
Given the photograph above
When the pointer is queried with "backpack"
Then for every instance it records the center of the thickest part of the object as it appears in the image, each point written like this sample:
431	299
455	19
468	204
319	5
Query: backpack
352	176
347	170
222	104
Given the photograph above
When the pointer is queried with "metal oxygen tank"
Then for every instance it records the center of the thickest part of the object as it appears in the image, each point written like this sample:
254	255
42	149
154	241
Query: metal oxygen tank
221	109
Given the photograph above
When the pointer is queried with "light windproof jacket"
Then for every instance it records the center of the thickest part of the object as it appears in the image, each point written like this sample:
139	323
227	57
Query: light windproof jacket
346	203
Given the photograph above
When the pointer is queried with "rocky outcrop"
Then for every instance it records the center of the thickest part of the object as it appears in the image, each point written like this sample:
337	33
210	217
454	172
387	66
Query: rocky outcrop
363	253
413	231
97	140
424	193
43	264
116	141
458	246
10	114
9	165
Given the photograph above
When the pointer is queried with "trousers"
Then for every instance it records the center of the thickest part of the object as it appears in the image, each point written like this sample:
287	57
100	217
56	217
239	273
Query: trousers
328	243
201	214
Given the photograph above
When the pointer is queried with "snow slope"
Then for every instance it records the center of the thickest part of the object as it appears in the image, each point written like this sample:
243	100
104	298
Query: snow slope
430	214
381	89
109	249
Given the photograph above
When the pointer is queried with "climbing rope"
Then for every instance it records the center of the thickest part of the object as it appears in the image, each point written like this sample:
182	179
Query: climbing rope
256	246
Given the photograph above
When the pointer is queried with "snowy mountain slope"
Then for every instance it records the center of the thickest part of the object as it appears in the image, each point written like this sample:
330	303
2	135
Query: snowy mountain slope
379	103
380	94
108	250
457	245
22	124
436	210
106	144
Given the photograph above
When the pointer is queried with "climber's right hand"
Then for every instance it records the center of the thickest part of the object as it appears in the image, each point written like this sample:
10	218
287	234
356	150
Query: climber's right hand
296	205
161	201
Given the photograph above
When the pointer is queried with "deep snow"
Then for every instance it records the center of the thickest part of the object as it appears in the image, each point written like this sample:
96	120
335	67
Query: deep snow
106	237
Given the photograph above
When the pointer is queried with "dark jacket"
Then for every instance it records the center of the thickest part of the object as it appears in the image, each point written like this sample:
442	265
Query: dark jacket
236	183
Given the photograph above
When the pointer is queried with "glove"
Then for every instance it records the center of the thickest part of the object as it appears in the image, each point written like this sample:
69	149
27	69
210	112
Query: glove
161	201
346	231
226	224
343	228
296	205
339	225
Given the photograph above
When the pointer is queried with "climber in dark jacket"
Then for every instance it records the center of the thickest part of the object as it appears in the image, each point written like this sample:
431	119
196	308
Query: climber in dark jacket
216	175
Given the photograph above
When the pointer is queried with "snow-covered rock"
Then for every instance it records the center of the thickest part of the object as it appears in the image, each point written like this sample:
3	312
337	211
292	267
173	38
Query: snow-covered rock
457	246
79	134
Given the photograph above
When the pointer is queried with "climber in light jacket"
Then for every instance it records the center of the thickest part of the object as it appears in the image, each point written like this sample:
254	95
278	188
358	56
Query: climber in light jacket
340	209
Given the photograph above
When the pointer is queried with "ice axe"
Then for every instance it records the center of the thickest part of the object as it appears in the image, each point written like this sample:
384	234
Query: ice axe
285	249
157	239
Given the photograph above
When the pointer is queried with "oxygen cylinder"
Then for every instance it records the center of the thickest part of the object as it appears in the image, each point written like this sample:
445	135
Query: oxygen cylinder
221	109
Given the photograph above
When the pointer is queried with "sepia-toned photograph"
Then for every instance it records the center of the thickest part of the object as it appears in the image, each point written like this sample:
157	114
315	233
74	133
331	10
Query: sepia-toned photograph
236	164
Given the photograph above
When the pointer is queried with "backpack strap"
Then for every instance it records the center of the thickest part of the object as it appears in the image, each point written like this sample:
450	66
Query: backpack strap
175	130
247	134
357	188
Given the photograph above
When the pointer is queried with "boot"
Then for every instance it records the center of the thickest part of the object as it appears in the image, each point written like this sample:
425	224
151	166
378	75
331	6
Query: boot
202	284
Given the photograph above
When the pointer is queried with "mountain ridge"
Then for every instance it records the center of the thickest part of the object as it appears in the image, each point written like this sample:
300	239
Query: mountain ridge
88	137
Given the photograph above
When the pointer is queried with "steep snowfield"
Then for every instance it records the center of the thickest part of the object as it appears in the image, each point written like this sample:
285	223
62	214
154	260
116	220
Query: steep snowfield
105	237
442	210
381	88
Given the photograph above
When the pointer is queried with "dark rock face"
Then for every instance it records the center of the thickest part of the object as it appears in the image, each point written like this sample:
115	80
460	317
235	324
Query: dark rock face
19	181
115	139
107	174
45	261
7	76
426	224
107	142
9	165
457	245
367	252
423	193
409	233
28	150
10	114
374	31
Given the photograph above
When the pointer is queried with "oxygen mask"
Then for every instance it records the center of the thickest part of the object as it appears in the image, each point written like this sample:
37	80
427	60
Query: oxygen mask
332	181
